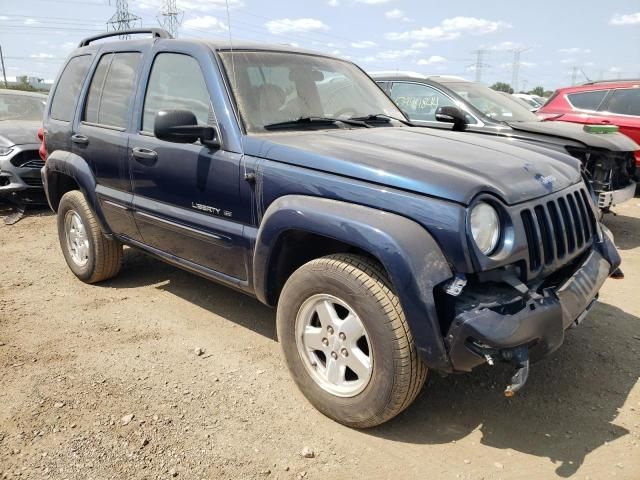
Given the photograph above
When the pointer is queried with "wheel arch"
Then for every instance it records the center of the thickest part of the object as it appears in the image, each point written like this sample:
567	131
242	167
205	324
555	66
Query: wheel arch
405	250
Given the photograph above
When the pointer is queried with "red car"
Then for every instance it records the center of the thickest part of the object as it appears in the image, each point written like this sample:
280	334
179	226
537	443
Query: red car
598	103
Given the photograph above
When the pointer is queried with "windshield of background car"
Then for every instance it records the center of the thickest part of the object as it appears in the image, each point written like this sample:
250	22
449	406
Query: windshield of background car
273	87
21	107
493	104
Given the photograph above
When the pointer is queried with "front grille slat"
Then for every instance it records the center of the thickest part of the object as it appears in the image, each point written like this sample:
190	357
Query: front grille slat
32	181
558	229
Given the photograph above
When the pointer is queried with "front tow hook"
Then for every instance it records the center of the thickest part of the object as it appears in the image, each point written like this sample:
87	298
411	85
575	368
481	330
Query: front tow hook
520	358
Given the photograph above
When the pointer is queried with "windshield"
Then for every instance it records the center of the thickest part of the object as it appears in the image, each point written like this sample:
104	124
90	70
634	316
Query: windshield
21	107
493	104
273	87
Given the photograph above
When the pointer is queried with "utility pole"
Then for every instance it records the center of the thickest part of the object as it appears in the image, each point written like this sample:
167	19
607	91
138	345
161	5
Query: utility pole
479	65
524	85
122	19
4	70
170	18
515	68
574	74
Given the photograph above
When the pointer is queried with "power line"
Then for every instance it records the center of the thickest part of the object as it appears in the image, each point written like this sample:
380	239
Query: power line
170	18
123	19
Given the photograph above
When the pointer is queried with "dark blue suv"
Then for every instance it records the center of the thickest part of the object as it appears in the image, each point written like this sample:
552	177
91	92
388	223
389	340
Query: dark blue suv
287	174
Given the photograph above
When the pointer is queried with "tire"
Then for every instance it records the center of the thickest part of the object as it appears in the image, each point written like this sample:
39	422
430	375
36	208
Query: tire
353	287
91	256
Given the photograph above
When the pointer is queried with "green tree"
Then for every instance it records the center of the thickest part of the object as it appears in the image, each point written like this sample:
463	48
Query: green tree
502	87
538	91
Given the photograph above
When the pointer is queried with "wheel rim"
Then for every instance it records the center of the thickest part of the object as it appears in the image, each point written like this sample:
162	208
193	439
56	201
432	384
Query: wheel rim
334	345
77	239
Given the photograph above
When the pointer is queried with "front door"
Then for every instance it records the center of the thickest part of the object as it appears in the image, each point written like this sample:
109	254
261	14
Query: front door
186	196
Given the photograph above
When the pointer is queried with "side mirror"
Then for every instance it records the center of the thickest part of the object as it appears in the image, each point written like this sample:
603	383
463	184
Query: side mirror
451	114
181	126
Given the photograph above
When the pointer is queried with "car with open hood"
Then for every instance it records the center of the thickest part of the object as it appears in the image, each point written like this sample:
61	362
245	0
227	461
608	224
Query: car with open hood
453	103
20	164
388	250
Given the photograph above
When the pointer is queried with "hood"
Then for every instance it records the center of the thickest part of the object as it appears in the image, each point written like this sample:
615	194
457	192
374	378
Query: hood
19	132
616	142
450	165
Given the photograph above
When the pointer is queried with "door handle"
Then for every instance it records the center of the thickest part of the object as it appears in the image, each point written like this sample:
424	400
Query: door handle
80	139
145	156
605	122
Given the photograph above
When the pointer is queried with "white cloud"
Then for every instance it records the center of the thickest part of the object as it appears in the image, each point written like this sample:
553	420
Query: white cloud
396	14
295	25
205	22
450	29
625	19
566	61
419	45
41	55
31	21
432	60
574	50
614	70
3	18
373	2
397	54
506	46
206	5
364	44
333	3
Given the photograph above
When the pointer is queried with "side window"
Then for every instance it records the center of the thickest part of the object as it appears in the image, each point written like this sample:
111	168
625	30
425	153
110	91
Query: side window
68	89
625	102
112	89
587	100
176	83
420	102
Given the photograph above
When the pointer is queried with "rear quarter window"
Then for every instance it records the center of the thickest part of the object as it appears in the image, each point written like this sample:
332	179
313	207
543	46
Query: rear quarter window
625	101
68	88
587	100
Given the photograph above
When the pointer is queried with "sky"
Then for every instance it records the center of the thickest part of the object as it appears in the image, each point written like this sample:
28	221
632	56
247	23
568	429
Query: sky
560	41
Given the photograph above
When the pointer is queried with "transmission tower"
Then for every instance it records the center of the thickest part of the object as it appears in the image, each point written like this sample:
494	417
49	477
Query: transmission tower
479	65
123	19
170	18
515	68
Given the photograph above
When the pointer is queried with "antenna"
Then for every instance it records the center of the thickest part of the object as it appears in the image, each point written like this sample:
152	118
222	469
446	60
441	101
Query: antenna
122	19
515	68
479	65
170	18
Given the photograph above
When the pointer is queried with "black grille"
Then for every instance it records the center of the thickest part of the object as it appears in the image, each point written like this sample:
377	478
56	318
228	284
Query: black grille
33	181
27	159
558	228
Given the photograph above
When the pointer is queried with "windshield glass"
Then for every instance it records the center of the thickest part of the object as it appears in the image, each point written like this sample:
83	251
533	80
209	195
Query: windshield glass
493	104
21	107
273	87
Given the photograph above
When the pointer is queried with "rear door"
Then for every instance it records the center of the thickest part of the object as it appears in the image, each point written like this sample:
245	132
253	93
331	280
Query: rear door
100	136
584	107
622	108
187	197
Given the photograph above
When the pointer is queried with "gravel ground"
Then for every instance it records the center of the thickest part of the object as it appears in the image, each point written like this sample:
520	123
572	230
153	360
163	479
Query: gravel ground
107	381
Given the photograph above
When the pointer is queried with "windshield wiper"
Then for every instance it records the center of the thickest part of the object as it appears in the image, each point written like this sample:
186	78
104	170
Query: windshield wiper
315	121
382	116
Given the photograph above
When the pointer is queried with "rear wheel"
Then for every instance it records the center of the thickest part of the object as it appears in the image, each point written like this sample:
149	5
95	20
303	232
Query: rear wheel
91	256
346	341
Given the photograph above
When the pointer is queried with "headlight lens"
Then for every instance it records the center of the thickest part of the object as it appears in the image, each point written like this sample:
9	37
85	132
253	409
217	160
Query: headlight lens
485	227
5	151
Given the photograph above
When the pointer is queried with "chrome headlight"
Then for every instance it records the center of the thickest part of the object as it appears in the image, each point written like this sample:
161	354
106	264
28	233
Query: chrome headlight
485	227
4	151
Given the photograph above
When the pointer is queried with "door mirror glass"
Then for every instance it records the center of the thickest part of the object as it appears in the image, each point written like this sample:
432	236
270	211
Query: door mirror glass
451	114
181	126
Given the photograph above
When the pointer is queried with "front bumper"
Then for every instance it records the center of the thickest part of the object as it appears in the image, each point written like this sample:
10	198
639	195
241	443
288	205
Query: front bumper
610	199
484	333
20	178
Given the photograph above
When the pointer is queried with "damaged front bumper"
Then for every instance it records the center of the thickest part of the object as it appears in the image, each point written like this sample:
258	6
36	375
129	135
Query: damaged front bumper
615	197
530	322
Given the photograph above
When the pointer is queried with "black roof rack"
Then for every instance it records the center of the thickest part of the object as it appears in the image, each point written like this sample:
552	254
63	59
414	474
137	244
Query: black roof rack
613	80
155	33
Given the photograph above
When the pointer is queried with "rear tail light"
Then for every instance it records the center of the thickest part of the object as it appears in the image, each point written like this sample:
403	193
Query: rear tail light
42	151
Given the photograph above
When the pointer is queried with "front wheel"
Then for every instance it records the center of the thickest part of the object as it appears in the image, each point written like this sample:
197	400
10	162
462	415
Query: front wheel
346	341
90	255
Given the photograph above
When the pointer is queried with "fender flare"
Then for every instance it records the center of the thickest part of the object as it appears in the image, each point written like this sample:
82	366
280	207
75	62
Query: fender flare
407	251
76	167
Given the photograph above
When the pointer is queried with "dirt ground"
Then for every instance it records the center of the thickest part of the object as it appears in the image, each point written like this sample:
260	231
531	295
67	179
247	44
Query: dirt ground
100	382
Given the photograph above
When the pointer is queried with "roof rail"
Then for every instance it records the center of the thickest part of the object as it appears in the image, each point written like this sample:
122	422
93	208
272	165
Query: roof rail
155	33
618	80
